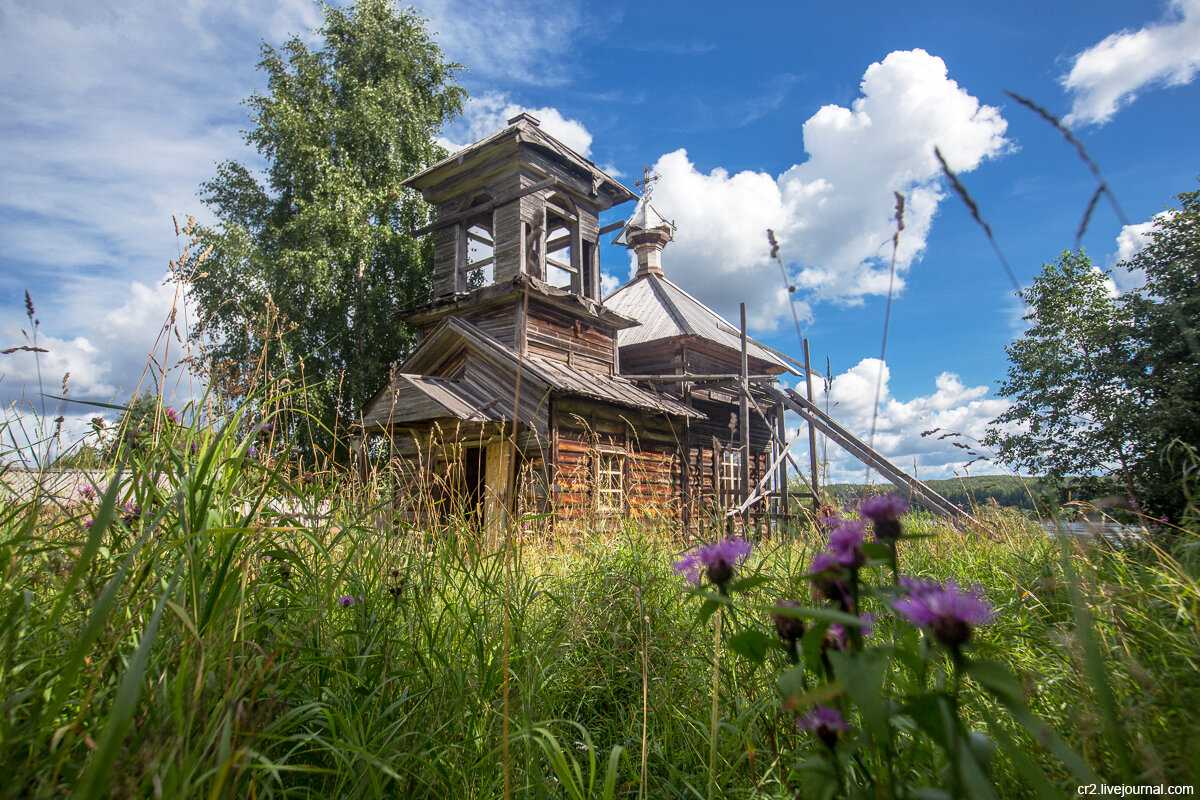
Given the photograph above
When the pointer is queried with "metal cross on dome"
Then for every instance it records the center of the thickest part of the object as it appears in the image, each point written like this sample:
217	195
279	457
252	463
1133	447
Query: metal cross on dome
647	181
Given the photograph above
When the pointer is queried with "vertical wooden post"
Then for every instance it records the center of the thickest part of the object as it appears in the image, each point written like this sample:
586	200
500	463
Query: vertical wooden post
744	419
781	427
812	435
498	479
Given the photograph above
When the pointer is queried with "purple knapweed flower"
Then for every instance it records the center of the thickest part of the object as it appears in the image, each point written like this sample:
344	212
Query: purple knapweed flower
827	574
845	544
266	429
788	628
837	638
346	600
88	492
172	415
130	513
885	513
716	560
948	613
826	722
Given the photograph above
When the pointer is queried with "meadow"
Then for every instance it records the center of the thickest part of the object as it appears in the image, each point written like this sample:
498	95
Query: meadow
215	624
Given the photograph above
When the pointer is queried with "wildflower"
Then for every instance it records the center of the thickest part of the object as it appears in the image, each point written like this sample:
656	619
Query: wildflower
948	613
826	722
88	492
836	637
827	574
98	424
346	600
885	512
845	544
789	628
394	572
130	512
718	560
172	415
266	428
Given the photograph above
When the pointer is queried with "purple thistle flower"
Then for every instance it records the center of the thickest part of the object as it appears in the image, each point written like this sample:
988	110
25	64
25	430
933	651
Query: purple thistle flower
825	722
172	415
837	638
716	560
845	544
788	628
266	428
948	613
88	492
885	512
130	512
346	600
827	574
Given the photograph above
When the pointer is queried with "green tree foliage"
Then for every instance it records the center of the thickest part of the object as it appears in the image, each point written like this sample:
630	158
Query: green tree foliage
1164	370
308	268
1067	379
1106	386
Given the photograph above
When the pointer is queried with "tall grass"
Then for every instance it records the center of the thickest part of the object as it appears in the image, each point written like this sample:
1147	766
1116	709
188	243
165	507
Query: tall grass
213	626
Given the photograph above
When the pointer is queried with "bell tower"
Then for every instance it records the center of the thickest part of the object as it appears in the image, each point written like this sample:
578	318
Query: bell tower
519	203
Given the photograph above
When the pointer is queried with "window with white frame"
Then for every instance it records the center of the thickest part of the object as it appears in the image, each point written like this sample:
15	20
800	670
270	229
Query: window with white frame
610	482
731	470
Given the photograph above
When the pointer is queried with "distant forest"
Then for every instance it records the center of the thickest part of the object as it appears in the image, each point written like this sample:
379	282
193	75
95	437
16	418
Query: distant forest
1006	490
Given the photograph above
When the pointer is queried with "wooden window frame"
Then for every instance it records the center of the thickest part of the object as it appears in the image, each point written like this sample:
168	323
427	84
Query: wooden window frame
729	471
609	463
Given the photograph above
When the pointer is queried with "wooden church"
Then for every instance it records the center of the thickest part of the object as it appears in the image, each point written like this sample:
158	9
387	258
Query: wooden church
529	394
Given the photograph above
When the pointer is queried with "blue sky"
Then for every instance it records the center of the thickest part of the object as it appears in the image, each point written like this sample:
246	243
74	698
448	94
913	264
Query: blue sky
804	117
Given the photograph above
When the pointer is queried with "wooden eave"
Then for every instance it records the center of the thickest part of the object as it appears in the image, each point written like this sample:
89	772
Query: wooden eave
506	144
497	294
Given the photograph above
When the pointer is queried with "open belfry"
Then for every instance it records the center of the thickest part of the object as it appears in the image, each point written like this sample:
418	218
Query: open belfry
529	394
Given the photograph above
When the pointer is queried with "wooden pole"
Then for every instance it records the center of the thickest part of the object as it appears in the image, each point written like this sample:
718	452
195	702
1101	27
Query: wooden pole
744	419
781	428
812	436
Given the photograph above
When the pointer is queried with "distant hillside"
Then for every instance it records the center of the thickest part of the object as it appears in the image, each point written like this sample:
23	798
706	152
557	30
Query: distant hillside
1006	490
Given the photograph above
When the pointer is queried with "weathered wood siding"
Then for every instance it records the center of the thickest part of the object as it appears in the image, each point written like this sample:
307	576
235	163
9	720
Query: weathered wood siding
652	462
554	334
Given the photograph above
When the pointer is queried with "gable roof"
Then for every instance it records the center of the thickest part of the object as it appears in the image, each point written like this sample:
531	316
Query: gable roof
667	312
416	394
524	128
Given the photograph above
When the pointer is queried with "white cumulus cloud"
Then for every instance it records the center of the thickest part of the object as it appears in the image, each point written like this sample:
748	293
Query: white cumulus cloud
1111	73
491	111
834	213
953	409
1130	241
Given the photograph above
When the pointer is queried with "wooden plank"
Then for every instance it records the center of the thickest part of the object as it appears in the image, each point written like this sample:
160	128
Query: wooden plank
451	219
812	434
871	457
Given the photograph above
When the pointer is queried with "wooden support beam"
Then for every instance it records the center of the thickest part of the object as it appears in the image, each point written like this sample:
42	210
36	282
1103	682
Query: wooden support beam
479	209
869	456
782	479
812	434
744	417
733	376
612	226
560	265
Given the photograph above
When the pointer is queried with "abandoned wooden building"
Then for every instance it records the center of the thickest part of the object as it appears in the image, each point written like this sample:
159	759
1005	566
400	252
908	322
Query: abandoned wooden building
529	393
